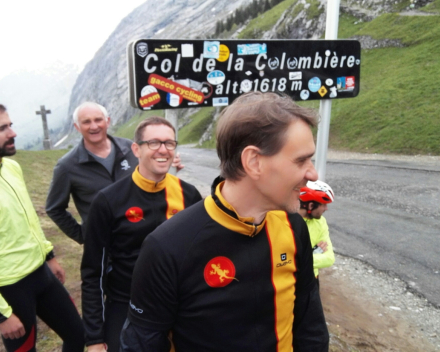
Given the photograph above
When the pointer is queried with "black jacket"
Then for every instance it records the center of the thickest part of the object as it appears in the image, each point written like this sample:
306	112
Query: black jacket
78	174
222	284
120	218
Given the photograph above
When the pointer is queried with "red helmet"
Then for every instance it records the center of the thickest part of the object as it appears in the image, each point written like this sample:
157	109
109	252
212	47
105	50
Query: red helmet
317	191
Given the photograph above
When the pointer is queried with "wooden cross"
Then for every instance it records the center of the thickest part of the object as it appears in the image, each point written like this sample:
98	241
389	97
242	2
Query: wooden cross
46	141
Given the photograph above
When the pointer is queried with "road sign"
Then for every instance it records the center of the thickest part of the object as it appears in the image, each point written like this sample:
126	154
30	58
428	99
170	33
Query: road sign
167	74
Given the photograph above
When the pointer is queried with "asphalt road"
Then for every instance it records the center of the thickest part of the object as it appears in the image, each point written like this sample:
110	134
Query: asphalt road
386	213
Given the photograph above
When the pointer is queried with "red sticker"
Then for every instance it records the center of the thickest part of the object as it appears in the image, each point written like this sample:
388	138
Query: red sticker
134	214
219	272
149	100
172	87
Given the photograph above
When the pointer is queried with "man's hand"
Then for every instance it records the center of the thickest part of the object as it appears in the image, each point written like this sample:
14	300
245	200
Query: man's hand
12	328
100	347
177	163
323	245
57	270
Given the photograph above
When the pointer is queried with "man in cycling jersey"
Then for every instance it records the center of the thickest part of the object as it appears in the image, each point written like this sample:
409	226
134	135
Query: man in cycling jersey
120	218
235	272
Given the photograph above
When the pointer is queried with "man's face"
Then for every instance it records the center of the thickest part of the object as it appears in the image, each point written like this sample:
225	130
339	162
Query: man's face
317	212
7	135
154	164
92	124
284	173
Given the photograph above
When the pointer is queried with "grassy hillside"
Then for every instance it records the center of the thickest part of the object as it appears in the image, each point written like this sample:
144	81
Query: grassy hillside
397	108
126	130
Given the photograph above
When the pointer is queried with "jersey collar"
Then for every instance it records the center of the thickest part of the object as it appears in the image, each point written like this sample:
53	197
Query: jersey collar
224	213
148	185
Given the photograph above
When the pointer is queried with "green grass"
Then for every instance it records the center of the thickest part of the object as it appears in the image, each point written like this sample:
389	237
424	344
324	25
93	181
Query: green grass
126	130
349	26
314	11
266	21
397	108
192	132
433	7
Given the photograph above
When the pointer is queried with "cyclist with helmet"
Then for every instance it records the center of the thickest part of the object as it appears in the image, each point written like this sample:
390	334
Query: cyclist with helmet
314	199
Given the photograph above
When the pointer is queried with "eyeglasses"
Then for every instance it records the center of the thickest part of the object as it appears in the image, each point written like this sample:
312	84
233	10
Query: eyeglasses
155	144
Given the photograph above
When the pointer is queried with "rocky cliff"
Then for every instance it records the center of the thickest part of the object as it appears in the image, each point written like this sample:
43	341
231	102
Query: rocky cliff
104	79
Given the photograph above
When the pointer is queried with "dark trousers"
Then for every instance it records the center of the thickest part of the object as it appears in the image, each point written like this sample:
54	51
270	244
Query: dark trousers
115	316
42	294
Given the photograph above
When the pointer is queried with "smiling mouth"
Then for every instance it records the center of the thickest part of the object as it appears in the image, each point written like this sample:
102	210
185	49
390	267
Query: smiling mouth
161	159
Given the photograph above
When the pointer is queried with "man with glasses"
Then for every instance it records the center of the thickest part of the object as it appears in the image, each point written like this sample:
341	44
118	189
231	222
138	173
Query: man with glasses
235	272
120	218
95	163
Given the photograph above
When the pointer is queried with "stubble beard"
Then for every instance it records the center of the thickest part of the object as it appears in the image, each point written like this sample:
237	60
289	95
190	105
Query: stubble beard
5	151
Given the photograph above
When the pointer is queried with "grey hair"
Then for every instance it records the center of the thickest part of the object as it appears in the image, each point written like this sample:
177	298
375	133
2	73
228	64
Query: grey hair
88	104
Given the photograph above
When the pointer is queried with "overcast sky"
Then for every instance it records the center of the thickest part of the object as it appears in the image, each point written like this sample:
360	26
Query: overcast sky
36	33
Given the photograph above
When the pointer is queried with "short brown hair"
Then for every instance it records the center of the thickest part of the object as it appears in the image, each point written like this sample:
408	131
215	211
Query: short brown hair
2	108
153	120
258	119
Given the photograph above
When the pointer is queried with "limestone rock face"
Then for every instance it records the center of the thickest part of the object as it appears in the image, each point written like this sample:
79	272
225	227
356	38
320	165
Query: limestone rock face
104	78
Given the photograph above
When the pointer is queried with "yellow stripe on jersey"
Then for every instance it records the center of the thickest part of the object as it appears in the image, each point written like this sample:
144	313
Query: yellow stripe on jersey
280	236
173	196
172	186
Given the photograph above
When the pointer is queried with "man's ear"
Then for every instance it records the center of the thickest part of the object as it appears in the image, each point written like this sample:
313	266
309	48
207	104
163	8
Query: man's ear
135	148
76	127
251	160
310	206
108	121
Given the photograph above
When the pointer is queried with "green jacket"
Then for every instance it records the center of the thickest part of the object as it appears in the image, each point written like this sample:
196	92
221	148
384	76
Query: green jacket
23	246
318	230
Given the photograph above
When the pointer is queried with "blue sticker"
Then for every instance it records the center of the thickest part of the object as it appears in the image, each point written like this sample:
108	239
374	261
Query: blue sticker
305	94
314	84
216	77
220	101
251	49
211	50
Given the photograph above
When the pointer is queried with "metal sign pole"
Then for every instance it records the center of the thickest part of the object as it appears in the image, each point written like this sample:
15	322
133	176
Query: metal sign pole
331	33
171	116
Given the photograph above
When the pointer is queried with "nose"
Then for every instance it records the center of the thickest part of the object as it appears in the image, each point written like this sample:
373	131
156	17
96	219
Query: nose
162	148
312	174
12	133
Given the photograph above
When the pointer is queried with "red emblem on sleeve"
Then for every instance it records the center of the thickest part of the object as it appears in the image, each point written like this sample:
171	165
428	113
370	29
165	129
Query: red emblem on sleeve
134	214
219	272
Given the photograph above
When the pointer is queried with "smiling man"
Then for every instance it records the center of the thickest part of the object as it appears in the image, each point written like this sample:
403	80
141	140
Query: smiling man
95	163
120	218
235	272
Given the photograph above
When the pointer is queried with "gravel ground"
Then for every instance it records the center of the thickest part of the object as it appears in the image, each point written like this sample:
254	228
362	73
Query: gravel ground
394	294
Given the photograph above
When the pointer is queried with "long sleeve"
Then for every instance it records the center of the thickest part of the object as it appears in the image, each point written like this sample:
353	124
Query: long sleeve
57	203
318	230
94	269
310	332
5	309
